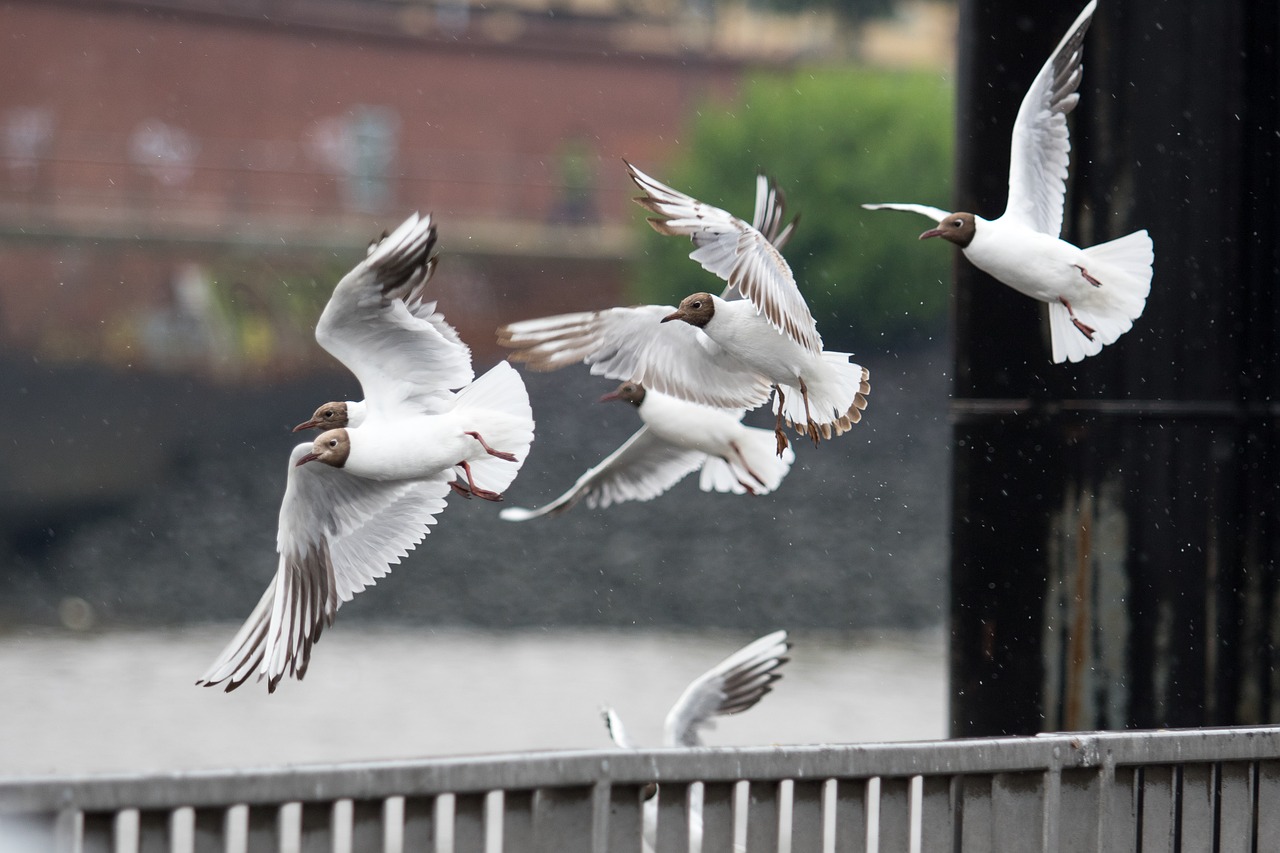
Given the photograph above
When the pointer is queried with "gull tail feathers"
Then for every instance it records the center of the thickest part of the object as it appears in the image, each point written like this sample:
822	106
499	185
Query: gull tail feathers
837	397
497	405
1123	268
756	466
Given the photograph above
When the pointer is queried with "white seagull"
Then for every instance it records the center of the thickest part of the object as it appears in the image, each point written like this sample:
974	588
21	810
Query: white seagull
678	438
729	353
1094	294
734	685
378	487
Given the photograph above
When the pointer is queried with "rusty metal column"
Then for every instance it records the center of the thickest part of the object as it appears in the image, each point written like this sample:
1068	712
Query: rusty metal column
1115	542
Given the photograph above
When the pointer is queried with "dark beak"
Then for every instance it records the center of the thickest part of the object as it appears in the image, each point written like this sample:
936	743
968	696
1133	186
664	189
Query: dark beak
311	424
310	457
932	232
674	315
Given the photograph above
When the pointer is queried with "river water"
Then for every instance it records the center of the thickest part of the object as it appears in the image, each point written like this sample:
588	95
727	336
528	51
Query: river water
125	701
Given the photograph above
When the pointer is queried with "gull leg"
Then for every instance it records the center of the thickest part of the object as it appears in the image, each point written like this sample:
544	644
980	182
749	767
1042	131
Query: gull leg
742	460
777	426
1084	272
460	489
1087	331
476	490
810	426
501	454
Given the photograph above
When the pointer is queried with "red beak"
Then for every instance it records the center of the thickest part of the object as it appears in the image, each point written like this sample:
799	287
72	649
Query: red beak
612	395
674	315
310	457
932	232
311	424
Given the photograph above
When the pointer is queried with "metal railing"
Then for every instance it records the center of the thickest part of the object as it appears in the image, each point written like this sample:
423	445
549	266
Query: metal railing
1191	790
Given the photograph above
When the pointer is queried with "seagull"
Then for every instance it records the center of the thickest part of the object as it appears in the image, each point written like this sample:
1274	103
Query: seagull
734	685
359	498
1094	294
730	353
677	439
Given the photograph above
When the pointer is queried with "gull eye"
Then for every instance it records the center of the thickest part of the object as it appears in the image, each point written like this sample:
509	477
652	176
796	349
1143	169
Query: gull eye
959	223
333	442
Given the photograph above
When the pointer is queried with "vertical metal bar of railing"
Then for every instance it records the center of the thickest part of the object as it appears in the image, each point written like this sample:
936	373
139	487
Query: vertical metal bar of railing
673	817
99	835
557	812
517	821
1267	799
1017	812
762	815
315	827
1198	801
263	828
717	817
419	832
622	832
937	814
851	816
1159	810
1123	806
895	814
1078	814
806	816
974	807
368	826
210	829
1235	807
156	830
469	823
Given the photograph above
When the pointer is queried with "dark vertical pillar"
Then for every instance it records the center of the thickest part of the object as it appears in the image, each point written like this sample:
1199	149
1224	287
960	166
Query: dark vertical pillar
1115	542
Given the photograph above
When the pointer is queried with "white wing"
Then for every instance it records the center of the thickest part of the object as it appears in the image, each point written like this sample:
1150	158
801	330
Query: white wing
737	253
617	733
1040	151
735	684
338	534
633	344
404	355
644	467
935	214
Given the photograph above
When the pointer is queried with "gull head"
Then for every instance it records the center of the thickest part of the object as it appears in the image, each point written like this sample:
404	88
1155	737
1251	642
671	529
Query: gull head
630	392
331	448
696	310
955	228
329	416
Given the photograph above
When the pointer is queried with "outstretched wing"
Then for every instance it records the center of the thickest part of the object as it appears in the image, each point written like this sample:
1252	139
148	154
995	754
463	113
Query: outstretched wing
736	252
644	467
935	214
378	325
1041	146
735	684
633	344
338	534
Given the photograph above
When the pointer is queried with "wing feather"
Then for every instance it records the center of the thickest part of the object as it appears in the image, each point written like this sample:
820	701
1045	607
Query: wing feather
735	684
338	534
1041	146
378	324
632	344
643	468
736	252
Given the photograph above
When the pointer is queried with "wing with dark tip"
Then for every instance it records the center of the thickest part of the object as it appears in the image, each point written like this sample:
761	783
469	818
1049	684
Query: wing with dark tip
643	468
379	325
735	684
736	252
1041	145
338	534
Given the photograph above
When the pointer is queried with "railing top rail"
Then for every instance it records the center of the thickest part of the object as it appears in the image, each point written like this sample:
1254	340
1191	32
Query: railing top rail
524	771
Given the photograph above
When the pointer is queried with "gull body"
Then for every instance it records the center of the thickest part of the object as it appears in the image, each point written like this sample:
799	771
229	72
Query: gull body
1094	294
678	438
766	342
361	496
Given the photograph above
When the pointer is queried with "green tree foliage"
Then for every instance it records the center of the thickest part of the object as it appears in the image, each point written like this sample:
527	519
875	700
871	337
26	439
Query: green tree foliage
833	139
